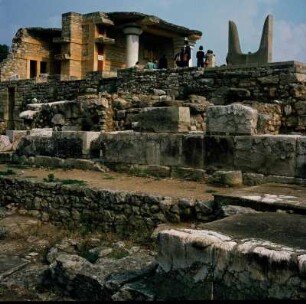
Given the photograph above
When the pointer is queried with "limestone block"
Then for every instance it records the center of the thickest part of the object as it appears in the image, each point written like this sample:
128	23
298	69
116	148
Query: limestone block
37	145
266	154
300	107
188	174
232	119
88	138
164	119
28	114
45	132
58	119
5	144
219	151
68	144
252	179
15	136
171	149
127	148
226	178
301	157
193	150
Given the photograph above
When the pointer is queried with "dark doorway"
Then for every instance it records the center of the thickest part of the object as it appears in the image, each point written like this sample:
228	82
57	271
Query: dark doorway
11	106
33	68
43	67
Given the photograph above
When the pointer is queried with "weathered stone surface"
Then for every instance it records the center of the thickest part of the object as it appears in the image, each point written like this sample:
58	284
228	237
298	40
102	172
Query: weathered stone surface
28	114
252	179
44	132
58	119
232	119
164	119
219	151
110	277
226	178
266	154
5	144
193	150
236	247
301	157
261	56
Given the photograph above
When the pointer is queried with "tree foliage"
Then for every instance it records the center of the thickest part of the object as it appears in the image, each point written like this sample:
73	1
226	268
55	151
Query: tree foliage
4	50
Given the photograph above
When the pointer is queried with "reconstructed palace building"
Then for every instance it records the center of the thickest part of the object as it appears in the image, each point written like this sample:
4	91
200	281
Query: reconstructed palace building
99	41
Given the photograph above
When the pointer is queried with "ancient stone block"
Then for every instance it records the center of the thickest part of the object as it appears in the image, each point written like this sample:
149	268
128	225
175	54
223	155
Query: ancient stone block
252	179
266	154
45	132
193	150
226	178
219	151
231	119
164	119
301	157
171	149
68	144
5	144
188	174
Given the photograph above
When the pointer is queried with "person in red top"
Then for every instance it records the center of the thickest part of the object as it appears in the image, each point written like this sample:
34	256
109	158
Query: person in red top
186	55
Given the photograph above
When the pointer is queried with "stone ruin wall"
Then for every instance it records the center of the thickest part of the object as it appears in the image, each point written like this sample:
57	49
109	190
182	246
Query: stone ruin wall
105	210
276	90
31	42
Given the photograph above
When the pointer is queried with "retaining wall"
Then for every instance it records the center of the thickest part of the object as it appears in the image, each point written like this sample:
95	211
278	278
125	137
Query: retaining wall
74	206
281	156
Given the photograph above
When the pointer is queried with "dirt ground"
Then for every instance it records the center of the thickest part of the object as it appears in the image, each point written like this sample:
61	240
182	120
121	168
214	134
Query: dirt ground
121	181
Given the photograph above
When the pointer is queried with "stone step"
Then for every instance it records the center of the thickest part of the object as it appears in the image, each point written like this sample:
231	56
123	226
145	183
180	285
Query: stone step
267	197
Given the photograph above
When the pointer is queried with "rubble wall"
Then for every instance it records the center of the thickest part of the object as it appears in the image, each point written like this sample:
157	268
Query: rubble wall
106	210
276	90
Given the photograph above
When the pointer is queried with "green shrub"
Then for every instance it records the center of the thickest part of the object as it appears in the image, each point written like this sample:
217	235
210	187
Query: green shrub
7	172
52	179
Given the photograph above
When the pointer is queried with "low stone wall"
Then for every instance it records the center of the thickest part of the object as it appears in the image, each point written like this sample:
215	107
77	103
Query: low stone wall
73	206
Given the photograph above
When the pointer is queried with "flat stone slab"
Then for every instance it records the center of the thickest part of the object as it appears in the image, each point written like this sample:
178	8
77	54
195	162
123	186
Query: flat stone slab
267	197
10	264
280	228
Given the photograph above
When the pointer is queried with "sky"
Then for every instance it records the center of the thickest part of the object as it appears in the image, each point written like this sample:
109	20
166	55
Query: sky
211	17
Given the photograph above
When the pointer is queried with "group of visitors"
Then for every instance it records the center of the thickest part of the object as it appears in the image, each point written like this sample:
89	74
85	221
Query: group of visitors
154	64
182	59
205	60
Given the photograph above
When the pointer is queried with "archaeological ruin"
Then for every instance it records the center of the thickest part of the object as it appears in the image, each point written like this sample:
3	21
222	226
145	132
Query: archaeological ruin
71	98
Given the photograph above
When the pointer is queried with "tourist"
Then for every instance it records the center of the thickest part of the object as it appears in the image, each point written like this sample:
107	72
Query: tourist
163	63
186	54
178	58
200	57
155	65
150	65
210	59
136	66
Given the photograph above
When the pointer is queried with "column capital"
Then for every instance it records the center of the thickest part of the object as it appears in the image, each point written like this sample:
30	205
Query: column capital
132	29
